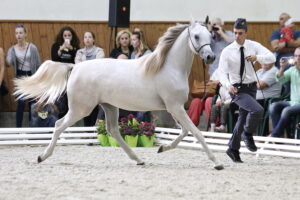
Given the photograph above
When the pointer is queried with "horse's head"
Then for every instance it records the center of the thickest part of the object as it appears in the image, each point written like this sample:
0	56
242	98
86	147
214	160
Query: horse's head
199	41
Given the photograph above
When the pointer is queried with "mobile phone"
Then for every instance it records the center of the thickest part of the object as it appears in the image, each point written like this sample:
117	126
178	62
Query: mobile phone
67	41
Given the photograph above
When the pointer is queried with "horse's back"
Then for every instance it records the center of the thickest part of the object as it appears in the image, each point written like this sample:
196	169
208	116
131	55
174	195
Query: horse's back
119	82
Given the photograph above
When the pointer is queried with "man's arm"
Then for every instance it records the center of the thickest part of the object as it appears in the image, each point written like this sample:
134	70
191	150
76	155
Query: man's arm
262	85
293	44
2	65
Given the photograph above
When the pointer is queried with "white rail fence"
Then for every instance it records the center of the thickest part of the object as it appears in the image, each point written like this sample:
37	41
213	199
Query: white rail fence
87	135
218	142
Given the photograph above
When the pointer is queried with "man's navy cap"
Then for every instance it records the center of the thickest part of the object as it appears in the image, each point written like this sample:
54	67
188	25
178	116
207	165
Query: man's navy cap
241	23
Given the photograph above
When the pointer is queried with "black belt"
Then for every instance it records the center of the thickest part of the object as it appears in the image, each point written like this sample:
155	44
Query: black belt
244	84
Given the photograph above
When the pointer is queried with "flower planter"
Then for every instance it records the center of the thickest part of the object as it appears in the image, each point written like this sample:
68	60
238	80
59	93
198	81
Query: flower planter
146	141
131	140
113	142
103	140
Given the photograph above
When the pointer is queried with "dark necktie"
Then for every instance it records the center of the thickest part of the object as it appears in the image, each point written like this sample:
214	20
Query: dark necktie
242	64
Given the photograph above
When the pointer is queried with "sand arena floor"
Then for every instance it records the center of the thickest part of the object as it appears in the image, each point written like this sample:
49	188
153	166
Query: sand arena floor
82	172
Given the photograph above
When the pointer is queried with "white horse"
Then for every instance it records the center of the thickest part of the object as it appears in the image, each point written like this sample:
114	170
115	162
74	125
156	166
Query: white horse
158	81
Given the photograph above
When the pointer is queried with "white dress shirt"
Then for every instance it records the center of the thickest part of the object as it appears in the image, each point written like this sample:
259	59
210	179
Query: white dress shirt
230	62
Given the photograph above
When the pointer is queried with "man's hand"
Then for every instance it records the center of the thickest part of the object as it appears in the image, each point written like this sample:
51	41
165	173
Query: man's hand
251	58
232	90
219	103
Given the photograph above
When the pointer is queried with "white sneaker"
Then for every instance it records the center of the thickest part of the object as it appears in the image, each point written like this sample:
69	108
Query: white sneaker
212	127
220	129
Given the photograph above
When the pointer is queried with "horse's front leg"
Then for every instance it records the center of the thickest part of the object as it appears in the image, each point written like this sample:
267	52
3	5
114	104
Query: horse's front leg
184	120
111	116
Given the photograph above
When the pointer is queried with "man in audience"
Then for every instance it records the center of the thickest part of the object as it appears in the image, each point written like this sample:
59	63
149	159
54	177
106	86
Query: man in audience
267	86
220	39
282	111
281	46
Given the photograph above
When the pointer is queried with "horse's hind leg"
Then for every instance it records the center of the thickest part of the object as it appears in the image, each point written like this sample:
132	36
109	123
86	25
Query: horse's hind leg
182	117
68	120
111	116
174	143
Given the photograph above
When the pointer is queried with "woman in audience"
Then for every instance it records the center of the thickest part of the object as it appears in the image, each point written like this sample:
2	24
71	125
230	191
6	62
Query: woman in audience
139	49
90	52
66	45
64	50
139	46
2	67
123	40
24	56
123	51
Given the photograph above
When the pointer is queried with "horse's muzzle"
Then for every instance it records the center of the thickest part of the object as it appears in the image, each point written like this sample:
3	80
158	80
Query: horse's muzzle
210	59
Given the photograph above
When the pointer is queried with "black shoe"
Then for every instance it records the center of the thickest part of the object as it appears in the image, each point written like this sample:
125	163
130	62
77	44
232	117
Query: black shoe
234	155
249	142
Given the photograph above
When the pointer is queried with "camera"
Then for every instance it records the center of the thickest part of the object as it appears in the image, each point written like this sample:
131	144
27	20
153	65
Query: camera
214	28
289	60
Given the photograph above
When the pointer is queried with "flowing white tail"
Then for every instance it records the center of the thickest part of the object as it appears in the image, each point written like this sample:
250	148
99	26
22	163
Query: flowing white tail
46	85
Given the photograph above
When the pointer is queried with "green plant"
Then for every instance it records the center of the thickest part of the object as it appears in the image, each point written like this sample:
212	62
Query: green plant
129	125
101	127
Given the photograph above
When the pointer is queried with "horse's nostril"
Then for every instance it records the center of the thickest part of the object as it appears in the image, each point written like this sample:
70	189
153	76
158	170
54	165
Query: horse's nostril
213	57
208	57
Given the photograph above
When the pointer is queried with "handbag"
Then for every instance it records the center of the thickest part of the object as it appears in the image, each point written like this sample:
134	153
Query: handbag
3	89
203	89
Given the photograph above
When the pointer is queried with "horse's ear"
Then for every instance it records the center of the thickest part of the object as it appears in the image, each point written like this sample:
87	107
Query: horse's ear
192	22
206	20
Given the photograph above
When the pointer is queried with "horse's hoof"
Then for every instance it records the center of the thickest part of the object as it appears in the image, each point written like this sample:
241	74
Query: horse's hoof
160	149
141	163
219	167
39	160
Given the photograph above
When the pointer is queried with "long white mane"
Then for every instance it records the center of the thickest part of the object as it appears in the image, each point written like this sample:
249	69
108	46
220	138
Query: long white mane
155	61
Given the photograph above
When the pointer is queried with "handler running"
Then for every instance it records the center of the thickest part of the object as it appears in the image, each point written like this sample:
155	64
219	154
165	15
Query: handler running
238	75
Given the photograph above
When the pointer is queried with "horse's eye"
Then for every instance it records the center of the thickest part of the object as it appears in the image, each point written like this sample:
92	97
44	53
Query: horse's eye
196	37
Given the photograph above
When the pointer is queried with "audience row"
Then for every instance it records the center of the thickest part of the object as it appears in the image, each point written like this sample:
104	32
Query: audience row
24	57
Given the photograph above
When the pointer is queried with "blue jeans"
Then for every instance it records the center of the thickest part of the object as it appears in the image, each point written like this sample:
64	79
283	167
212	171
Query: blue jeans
281	113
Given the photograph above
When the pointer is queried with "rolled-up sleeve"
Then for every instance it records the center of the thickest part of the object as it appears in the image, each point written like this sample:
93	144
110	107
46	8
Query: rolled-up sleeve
264	55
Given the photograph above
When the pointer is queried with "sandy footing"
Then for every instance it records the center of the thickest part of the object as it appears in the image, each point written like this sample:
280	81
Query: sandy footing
92	172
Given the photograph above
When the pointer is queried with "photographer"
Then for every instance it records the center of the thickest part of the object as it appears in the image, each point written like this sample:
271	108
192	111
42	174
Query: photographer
282	111
220	39
64	50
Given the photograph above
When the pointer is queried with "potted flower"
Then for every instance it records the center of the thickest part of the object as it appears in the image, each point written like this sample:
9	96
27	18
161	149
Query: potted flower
146	135
102	134
129	128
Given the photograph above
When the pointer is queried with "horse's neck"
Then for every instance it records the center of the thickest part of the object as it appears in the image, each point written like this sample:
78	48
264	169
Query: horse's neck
181	52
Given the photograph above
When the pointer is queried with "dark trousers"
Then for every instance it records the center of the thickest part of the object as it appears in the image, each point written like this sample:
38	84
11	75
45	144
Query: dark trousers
20	112
22	103
92	118
250	113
